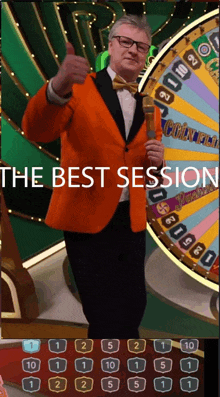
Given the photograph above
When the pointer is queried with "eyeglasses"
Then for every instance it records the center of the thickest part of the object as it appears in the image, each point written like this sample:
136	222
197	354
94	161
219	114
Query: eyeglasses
127	43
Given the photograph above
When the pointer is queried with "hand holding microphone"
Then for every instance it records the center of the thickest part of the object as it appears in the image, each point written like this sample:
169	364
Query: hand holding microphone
154	148
73	70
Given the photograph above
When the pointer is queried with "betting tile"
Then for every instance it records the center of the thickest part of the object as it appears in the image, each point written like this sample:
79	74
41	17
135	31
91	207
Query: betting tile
57	384
136	384
57	365
189	384
136	364
136	345
57	345
110	345
31	364
31	345
163	345
84	345
110	364
110	384
84	384
189	364
31	384
189	345
163	384
163	364
84	364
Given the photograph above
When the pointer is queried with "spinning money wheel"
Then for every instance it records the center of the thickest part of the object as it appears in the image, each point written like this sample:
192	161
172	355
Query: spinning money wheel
183	212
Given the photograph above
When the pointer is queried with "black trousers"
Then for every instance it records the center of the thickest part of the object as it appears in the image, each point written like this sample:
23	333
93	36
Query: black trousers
109	273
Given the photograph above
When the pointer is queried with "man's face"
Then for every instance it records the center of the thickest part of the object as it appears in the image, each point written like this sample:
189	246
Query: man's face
127	62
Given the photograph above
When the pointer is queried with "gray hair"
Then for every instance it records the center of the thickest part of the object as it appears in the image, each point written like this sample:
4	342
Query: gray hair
139	22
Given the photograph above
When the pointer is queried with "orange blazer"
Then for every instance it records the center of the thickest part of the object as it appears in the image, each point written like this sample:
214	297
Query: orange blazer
91	128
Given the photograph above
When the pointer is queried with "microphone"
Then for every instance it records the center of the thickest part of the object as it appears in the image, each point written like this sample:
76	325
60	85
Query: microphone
148	109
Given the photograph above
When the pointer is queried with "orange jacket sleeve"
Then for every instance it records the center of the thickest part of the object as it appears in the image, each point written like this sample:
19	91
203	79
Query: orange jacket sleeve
43	121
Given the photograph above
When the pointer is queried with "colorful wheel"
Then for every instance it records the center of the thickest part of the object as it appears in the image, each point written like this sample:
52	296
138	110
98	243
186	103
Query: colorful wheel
183	211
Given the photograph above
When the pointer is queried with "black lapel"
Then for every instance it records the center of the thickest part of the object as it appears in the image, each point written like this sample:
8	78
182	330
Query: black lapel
103	83
137	120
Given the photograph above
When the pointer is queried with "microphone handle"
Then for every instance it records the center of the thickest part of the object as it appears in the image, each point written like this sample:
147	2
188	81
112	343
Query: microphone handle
149	117
148	109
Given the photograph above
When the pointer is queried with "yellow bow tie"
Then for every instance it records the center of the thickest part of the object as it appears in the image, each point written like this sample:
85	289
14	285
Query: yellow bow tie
119	83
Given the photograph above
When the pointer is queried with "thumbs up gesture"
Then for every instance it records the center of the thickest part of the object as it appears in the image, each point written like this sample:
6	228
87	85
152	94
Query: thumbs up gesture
73	70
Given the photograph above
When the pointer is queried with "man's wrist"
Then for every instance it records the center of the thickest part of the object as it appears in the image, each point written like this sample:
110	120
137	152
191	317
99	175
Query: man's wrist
157	171
67	95
60	91
54	98
160	167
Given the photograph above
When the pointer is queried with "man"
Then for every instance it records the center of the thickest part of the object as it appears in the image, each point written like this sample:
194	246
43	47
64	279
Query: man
104	226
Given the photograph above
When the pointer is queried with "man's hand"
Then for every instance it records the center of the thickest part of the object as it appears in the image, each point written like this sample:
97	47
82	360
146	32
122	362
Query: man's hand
73	70
155	152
